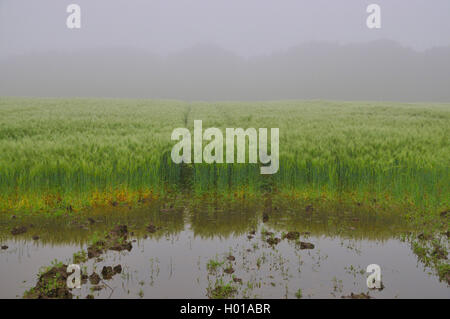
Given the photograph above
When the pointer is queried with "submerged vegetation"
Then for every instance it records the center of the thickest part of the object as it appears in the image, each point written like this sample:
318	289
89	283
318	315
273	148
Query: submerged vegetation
64	155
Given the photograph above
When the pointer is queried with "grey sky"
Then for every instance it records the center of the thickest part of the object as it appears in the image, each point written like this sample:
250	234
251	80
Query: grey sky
246	27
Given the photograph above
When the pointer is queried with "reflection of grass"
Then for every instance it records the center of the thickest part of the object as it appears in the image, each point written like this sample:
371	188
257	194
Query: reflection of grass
76	228
430	250
209	220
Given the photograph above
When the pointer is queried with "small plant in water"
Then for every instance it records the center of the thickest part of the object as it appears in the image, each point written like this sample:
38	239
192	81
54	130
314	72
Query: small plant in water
213	265
79	257
221	290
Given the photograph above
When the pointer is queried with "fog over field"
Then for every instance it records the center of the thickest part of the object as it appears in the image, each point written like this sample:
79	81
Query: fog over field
227	50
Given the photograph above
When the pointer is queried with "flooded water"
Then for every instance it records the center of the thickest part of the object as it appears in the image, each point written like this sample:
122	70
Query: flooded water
197	250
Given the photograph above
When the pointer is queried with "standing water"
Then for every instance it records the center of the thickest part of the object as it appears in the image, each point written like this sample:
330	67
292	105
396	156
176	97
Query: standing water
206	252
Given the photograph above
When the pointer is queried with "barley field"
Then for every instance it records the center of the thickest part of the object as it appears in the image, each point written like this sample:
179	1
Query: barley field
77	153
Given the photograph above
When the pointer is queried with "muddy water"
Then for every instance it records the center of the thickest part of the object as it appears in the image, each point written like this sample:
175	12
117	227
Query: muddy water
173	261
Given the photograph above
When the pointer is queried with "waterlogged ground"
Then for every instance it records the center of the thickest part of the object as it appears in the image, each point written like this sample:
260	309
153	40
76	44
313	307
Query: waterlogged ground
237	251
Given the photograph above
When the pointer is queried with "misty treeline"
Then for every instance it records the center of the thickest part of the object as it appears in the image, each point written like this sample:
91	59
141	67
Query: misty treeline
379	70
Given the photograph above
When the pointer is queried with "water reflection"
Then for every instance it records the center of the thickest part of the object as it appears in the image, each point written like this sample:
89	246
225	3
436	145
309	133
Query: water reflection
172	262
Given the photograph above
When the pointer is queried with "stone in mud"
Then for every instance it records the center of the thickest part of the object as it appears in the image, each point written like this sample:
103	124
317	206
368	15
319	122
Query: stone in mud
94	252
357	296
265	217
151	228
96	249
90	297
117	269
250	237
51	285
94	278
238	280
91	221
444	213
309	208
19	230
231	258
84	279
107	272
35	237
305	245
4	247
292	235
253	232
273	241
228	270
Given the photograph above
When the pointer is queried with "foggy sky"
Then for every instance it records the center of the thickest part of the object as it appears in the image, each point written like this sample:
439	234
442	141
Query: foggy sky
245	27
227	50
